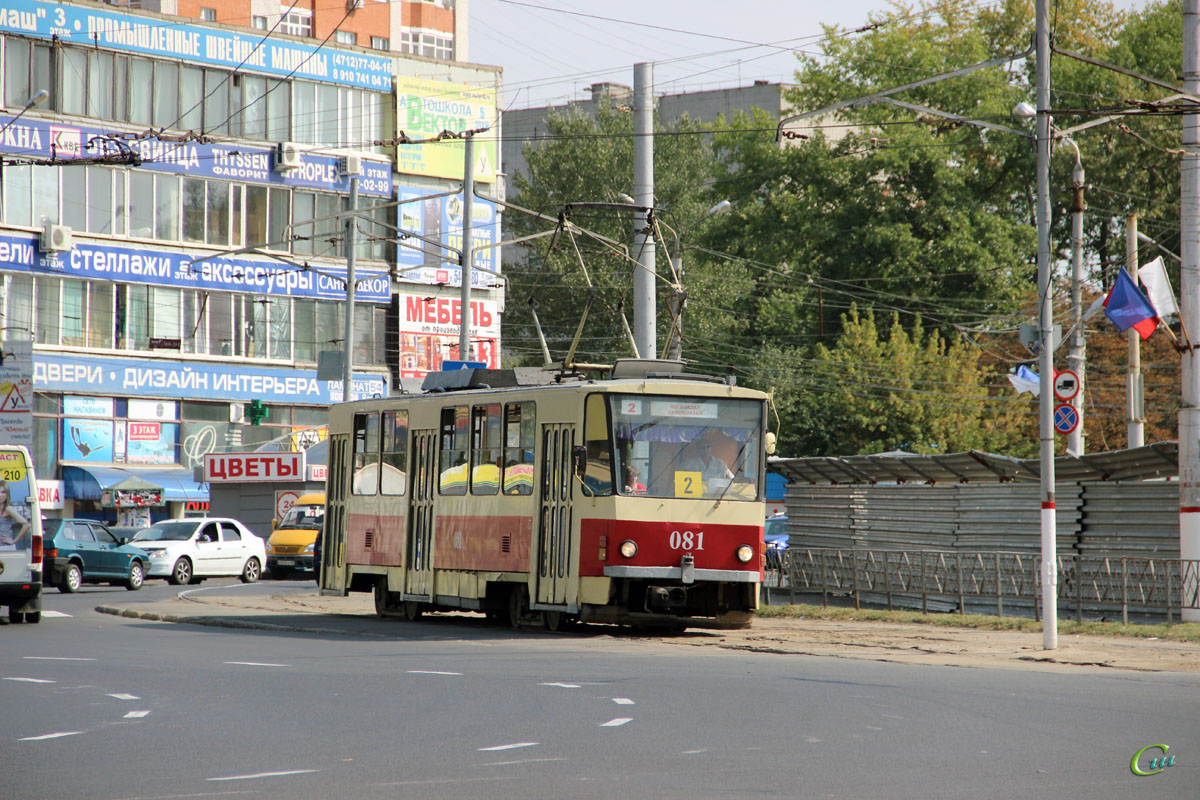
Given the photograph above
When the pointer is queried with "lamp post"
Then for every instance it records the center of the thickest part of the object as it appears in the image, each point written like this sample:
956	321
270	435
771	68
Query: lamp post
674	348
39	97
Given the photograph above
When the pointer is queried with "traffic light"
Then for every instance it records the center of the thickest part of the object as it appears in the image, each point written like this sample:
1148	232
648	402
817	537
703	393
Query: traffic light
256	411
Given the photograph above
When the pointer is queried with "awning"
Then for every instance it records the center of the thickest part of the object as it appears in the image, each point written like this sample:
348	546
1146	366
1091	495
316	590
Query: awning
84	481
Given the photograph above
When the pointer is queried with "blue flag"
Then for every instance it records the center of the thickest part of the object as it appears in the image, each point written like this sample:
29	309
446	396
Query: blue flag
1128	308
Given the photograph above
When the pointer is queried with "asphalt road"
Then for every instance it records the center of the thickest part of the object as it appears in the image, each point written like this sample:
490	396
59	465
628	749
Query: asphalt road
97	706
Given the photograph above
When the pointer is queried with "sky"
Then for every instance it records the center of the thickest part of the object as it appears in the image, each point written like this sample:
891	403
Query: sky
552	50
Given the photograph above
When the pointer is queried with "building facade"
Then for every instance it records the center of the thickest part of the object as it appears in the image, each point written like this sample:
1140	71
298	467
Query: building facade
172	239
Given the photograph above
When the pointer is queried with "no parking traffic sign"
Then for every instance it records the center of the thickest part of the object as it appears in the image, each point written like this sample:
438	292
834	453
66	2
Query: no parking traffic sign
1066	418
1066	385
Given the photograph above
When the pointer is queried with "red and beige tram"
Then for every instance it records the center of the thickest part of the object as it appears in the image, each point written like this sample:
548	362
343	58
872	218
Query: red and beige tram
631	500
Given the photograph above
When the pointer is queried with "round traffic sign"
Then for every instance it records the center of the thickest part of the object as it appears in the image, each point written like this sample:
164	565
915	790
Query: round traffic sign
1066	418
1066	385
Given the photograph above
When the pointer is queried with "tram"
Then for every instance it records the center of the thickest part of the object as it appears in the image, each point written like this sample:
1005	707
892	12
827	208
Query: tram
543	498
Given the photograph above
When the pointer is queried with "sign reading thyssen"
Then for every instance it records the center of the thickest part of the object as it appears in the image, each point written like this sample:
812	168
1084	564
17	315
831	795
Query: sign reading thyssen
253	467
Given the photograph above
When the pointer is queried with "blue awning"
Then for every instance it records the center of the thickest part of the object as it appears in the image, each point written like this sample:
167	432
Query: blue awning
83	481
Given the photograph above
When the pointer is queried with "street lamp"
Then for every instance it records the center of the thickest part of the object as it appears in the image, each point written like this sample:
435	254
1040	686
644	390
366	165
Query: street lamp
674	346
37	99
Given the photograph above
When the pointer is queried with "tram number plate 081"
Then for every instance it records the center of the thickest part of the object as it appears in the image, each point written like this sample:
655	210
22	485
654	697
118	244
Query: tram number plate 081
686	540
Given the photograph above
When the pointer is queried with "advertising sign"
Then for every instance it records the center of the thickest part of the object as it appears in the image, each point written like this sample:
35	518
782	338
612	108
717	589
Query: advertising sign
50	494
284	501
87	439
426	108
440	219
166	268
253	467
429	333
245	52
16	393
151	442
192	380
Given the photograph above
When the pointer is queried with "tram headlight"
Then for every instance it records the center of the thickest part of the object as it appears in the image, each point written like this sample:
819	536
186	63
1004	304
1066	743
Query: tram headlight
629	548
745	553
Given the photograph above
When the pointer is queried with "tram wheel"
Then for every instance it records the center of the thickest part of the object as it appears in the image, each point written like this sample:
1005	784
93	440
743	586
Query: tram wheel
553	621
381	598
412	610
518	606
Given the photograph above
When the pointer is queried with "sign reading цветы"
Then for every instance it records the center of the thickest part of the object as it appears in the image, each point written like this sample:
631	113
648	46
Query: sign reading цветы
253	467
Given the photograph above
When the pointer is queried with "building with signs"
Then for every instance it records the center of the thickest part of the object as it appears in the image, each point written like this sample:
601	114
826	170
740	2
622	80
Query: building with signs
170	245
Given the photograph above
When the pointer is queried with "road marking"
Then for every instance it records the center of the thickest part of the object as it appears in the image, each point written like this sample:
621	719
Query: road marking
508	746
262	775
520	761
256	664
125	696
623	701
695	752
49	736
561	685
136	714
54	614
56	658
431	672
30	680
616	723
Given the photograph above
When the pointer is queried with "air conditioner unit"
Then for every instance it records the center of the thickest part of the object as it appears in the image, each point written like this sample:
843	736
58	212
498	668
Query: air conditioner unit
56	238
349	165
287	156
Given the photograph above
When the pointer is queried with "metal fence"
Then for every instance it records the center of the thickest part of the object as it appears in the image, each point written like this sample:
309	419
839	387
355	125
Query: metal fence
983	581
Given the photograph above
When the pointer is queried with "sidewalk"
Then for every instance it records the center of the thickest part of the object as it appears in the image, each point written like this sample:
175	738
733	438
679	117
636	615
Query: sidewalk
306	611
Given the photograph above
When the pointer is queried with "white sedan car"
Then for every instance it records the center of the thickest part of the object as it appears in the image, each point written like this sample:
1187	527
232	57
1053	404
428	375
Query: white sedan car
190	550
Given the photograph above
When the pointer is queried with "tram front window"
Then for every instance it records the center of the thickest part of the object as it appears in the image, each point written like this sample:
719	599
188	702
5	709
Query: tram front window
688	446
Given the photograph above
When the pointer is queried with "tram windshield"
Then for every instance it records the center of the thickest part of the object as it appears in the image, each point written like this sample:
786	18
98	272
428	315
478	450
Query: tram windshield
687	446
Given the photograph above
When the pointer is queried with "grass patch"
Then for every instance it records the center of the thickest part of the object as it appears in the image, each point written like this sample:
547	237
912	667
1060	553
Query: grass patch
1181	632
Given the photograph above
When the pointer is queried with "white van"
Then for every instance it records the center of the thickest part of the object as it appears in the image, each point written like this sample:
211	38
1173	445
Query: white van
20	536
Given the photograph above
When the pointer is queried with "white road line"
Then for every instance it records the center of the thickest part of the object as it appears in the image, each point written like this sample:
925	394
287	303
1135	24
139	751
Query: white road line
561	685
616	723
30	680
695	752
54	614
262	775
623	701
56	658
255	664
508	746
125	696
431	672
49	736
520	761
136	714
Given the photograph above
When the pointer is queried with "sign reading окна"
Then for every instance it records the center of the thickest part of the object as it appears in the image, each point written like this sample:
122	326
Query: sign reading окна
253	467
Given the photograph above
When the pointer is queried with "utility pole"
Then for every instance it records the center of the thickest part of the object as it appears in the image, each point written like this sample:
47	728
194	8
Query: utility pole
1136	417
351	226
644	307
1046	322
1189	311
1077	357
468	252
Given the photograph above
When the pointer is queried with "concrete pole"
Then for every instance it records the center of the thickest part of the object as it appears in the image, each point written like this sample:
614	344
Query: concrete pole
1046	321
1189	311
1136	418
1077	357
468	252
351	246
644	304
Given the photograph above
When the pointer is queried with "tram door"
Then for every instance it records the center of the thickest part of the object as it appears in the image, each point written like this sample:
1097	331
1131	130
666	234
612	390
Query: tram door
333	542
554	525
418	549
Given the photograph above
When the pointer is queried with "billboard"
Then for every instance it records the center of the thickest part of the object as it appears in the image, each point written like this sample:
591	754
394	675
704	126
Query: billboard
424	109
441	219
16	393
429	333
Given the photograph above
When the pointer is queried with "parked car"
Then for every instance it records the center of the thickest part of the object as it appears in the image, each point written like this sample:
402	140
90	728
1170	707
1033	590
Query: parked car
79	551
776	536
190	550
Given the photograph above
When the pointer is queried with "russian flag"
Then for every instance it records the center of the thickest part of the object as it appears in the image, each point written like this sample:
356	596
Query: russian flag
1128	308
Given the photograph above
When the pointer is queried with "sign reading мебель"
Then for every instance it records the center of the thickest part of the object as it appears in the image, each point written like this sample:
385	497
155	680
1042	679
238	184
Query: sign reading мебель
429	333
441	219
253	467
194	43
166	268
16	393
426	108
38	138
193	380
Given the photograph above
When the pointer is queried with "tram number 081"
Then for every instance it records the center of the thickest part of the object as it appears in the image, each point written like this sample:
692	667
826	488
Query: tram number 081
686	540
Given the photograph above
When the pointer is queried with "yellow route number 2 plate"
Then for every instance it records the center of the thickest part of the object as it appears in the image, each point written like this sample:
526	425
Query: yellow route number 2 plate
688	484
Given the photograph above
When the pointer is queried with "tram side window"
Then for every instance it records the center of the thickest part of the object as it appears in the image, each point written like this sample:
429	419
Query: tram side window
597	476
366	454
392	478
453	452
520	427
485	449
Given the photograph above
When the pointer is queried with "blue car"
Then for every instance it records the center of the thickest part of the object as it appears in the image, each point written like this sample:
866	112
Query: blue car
79	551
776	536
